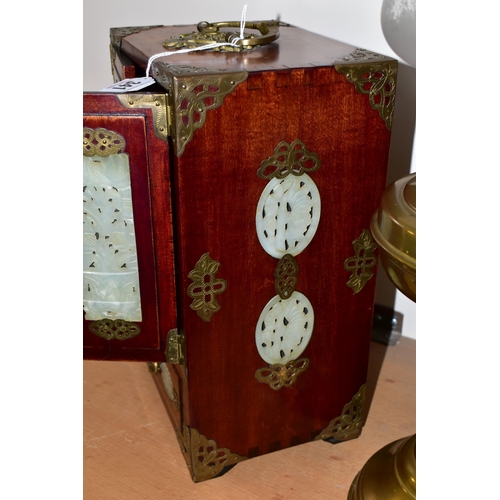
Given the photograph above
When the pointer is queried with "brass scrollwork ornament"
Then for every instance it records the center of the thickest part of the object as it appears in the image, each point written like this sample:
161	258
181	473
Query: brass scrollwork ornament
205	287
205	459
287	159
375	75
286	276
209	33
349	424
277	376
194	92
117	329
362	263
101	142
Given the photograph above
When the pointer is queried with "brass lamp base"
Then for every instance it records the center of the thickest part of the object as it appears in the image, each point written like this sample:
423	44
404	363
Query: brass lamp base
390	474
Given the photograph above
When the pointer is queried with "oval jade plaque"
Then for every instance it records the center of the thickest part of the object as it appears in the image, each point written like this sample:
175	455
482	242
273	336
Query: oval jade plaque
284	328
288	214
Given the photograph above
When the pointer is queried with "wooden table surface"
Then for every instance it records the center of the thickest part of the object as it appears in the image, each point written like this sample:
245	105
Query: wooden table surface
131	451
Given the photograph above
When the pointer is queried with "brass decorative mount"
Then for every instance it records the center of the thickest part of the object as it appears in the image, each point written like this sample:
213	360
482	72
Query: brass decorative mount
287	159
175	352
209	33
205	287
286	276
158	105
277	376
117	329
101	142
204	458
375	75
349	424
192	92
362	263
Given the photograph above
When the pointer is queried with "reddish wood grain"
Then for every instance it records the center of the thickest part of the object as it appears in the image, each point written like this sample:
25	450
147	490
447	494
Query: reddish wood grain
292	92
216	191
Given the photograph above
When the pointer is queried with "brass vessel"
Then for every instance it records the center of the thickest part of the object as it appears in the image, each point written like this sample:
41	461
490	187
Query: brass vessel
393	227
390	474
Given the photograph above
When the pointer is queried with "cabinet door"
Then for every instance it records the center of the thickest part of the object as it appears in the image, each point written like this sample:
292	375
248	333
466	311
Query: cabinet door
128	255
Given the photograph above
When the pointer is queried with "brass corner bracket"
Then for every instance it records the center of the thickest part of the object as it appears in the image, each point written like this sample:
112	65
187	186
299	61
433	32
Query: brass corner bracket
362	263
157	103
193	91
203	457
375	75
349	424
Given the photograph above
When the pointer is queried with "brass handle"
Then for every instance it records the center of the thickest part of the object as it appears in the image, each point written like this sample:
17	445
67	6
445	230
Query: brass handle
269	31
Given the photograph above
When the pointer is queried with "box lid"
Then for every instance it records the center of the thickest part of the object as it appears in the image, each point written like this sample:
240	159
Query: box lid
295	48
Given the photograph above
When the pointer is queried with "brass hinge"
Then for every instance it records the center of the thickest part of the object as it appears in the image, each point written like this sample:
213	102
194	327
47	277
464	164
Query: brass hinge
176	347
170	114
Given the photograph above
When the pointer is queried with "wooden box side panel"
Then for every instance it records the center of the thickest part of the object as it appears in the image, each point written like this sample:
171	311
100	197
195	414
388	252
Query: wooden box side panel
217	194
150	181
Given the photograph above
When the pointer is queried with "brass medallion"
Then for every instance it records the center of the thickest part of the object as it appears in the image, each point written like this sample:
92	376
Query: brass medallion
286	276
205	287
375	75
101	142
349	424
278	376
287	159
363	262
114	329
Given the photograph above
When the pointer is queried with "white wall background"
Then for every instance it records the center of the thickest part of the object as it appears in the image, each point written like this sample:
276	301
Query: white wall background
356	22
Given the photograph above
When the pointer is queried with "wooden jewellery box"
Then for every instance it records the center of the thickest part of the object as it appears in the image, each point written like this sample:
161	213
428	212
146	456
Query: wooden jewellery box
226	231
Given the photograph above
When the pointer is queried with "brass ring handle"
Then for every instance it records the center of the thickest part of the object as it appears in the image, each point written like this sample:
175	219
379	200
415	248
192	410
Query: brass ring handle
269	31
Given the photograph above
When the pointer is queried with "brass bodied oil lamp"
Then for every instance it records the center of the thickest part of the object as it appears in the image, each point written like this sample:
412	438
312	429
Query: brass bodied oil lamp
390	474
